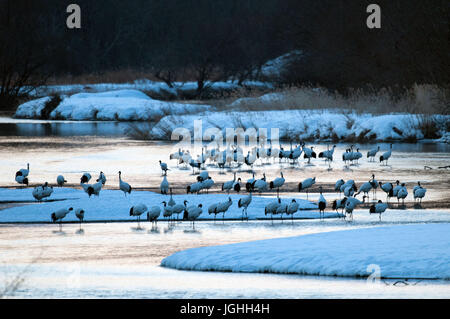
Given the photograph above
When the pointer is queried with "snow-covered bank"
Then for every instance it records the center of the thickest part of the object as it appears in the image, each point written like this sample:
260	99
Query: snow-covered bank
309	124
122	105
113	205
406	251
300	124
151	87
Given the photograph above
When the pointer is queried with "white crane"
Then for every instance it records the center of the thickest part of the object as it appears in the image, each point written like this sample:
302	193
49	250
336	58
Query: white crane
164	187
249	184
349	188
402	193
22	175
396	189
153	214
168	211
86	177
38	193
194	188
292	209
178	208
193	212
43	191
24	171
351	203
203	176
171	202
195	164
337	186
250	159
124	187
271	208
212	210
223	207
374	183
295	154
237	185
356	155
137	211
185	158
80	215
388	188
386	155
59	215
419	192
176	156
307	183
309	153
348	155
228	186
277	183
207	184
101	178
243	203
328	155
260	184
60	180
47	190
164	167
22	180
93	189
281	209
378	208
339	204
365	188
372	153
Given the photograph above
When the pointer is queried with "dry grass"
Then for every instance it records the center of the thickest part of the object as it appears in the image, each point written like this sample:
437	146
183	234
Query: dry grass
421	99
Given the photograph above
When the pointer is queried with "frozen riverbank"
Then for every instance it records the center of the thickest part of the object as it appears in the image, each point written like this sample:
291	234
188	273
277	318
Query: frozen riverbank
406	251
305	124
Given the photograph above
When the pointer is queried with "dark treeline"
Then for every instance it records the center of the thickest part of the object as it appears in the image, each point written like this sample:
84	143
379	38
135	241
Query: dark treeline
205	40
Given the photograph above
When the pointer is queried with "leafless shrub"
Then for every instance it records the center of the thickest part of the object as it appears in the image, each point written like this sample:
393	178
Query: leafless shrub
50	106
428	125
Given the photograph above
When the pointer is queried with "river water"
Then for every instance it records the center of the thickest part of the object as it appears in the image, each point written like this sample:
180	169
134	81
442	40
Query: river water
115	260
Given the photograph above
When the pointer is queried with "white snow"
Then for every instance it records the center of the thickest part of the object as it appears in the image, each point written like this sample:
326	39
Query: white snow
405	251
33	108
318	124
445	138
123	105
144	85
113	205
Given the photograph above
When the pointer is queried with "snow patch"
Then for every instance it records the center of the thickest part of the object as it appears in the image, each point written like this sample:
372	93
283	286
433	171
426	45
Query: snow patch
406	251
122	105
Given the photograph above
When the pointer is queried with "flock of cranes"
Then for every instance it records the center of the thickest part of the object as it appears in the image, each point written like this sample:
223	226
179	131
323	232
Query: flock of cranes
233	156
204	183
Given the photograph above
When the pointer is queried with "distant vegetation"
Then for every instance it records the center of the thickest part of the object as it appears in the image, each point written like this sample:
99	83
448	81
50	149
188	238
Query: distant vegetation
420	99
204	41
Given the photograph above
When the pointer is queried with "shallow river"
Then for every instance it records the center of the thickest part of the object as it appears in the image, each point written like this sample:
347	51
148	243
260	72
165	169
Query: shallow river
117	260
